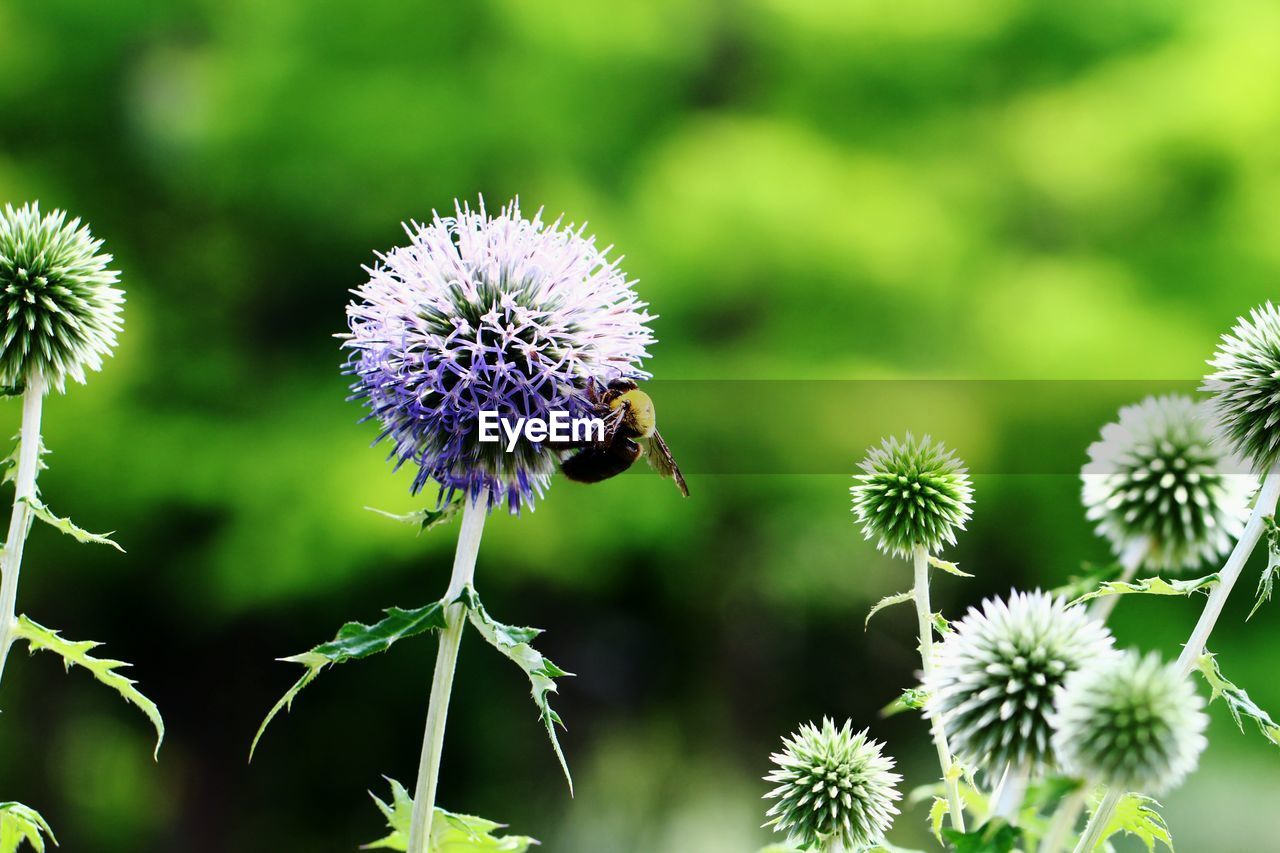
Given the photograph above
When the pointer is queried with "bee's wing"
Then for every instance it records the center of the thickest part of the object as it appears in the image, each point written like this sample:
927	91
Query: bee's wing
664	463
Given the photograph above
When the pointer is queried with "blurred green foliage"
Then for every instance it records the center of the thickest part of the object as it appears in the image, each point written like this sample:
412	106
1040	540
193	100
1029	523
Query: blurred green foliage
806	189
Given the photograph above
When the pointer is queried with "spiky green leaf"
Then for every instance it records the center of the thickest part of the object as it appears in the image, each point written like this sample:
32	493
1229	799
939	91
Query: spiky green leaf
1152	586
912	699
995	836
450	833
515	644
948	567
888	601
19	823
937	814
1136	815
10	463
65	525
1090	578
423	519
74	653
1268	579
353	641
1238	701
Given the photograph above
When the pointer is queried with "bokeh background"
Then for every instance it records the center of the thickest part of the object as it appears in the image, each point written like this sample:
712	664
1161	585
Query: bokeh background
1055	208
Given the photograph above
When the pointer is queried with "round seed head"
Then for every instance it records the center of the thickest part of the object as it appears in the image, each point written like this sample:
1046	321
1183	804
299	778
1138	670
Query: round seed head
832	784
995	676
59	313
489	313
911	493
1160	481
1133	722
1245	384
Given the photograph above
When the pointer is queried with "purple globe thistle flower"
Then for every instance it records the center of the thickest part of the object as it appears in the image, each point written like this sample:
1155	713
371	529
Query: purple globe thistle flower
496	313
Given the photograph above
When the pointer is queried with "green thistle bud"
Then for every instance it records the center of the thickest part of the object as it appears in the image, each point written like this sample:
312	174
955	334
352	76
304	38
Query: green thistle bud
995	676
911	493
834	786
1245	386
59	312
1133	723
1159	481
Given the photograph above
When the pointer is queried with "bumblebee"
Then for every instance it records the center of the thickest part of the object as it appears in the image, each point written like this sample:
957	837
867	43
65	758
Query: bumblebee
630	428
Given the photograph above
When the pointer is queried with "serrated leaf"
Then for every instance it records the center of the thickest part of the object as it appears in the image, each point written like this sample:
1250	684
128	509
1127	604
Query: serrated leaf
74	653
353	641
450	833
974	801
19	823
515	644
1267	581
1238	701
941	624
65	525
912	699
10	463
888	601
1091	577
1136	815
1151	586
423	519
993	837
949	568
937	814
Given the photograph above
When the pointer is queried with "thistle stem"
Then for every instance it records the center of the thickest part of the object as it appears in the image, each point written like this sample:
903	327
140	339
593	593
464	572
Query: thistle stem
924	614
1098	823
1064	821
464	568
24	491
1010	793
1130	562
1264	506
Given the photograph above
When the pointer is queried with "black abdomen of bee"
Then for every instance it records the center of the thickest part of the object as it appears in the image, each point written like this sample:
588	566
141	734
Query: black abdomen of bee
593	464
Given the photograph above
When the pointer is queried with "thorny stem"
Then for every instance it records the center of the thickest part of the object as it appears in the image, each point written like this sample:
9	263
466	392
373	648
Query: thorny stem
464	568
1064	821
1263	507
1098	823
924	614
1130	562
24	491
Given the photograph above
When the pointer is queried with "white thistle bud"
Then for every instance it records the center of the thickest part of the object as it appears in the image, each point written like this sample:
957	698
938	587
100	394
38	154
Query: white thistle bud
1134	723
832	785
995	676
1159	480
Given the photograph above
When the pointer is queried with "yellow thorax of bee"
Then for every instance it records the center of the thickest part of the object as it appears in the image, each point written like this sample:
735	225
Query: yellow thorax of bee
640	418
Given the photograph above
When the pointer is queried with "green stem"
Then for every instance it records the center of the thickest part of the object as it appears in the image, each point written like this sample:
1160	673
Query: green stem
924	614
464	567
1098	823
24	491
1263	507
1064	821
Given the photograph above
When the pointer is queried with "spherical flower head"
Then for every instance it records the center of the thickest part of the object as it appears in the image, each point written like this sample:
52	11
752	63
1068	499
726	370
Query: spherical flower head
911	493
1245	385
995	676
1159	481
832	784
59	312
489	313
1135	723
